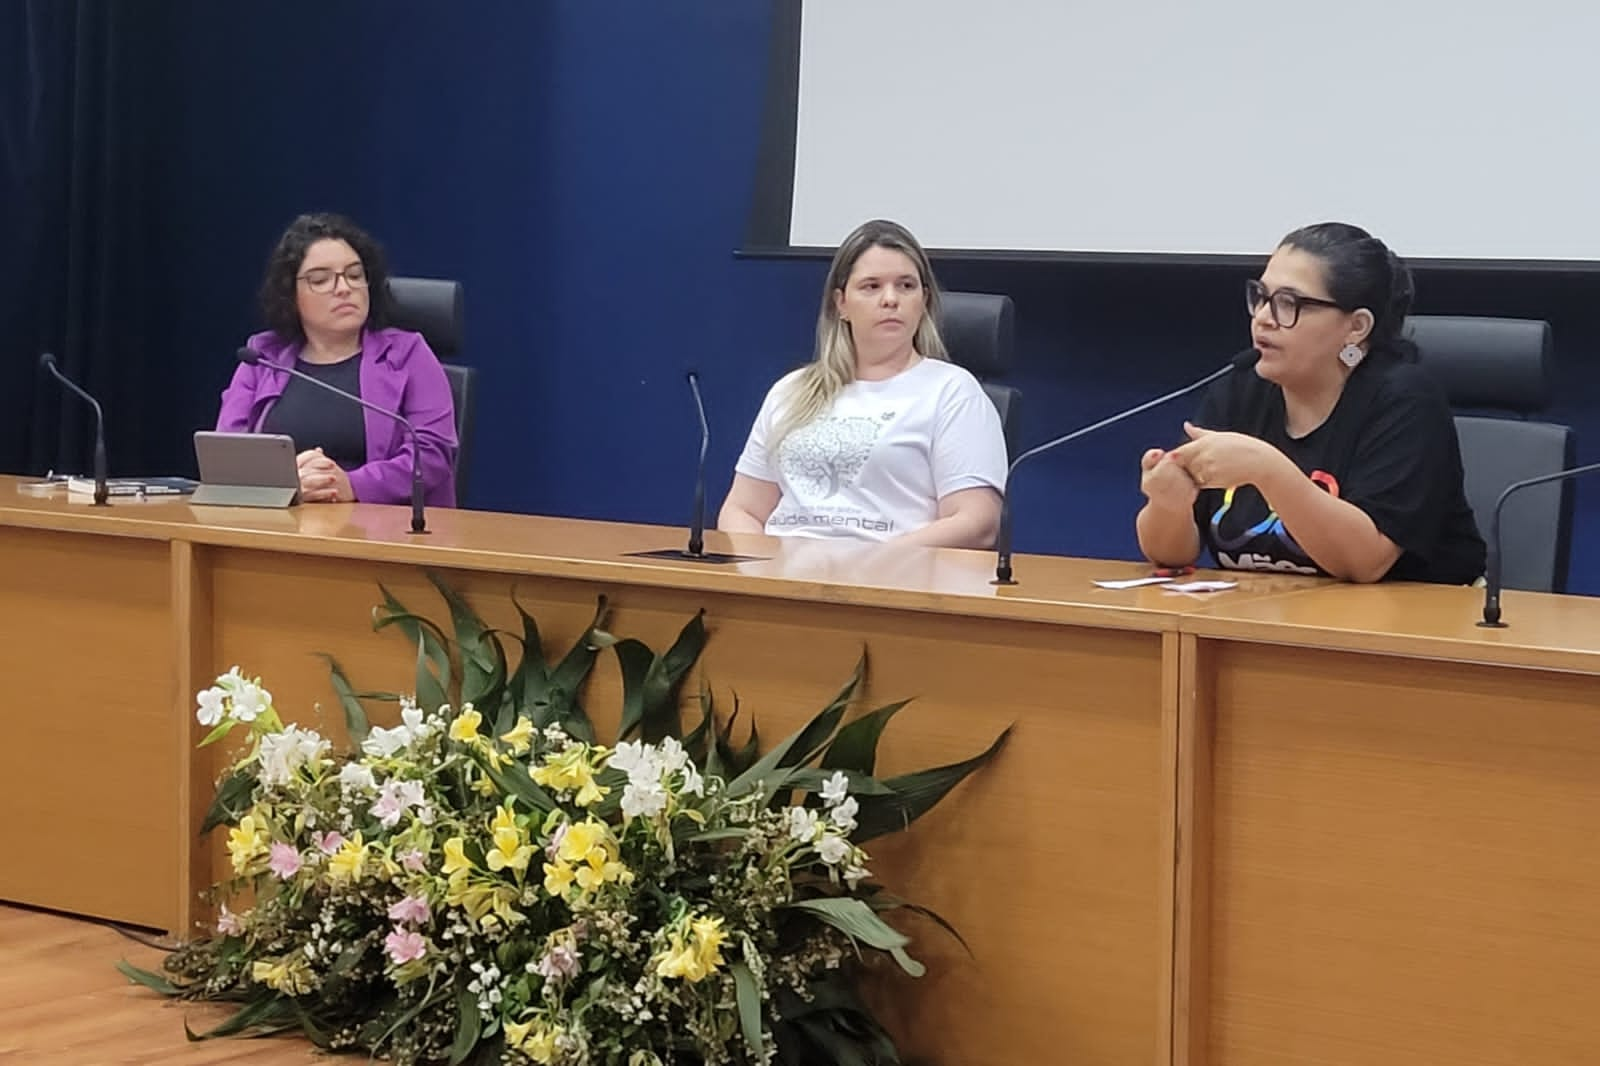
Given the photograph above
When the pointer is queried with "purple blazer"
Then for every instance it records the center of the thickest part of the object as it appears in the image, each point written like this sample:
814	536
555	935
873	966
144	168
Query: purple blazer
398	371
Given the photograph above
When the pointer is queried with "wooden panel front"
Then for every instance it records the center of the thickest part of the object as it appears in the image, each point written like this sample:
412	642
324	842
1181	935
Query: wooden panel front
1050	863
1403	862
88	767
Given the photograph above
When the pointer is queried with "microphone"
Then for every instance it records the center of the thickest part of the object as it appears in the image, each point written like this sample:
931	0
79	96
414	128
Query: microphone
696	550
697	519
250	357
1491	559
1002	569
102	491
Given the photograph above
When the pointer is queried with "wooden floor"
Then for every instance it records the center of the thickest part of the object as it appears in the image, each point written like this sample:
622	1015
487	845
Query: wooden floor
63	1002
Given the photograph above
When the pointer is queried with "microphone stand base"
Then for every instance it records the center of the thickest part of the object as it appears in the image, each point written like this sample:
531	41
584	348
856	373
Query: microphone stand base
1492	625
682	556
1003	581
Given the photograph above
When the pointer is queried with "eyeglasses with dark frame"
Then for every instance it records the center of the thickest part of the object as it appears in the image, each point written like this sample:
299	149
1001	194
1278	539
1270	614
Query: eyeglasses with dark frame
1285	303
323	279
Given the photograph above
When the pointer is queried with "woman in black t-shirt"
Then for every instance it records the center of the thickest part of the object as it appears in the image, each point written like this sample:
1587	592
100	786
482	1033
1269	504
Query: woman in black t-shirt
1337	454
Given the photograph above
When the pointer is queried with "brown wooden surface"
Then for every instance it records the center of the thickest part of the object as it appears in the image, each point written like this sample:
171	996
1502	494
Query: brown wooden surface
62	1003
1403	867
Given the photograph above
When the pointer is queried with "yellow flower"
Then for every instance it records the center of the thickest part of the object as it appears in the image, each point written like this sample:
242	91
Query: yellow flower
540	1045
465	727
349	862
520	738
246	841
558	878
511	848
570	771
517	1032
455	856
290	975
696	956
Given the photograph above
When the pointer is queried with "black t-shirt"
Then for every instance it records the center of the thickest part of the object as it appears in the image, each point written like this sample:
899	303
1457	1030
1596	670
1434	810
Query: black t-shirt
316	418
1389	447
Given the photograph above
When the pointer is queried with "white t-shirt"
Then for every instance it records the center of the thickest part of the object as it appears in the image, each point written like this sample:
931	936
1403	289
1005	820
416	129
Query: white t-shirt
877	462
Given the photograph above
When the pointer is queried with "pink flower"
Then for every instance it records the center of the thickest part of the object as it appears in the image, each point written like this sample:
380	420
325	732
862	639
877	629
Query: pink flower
561	961
405	946
413	909
413	860
328	842
229	923
284	860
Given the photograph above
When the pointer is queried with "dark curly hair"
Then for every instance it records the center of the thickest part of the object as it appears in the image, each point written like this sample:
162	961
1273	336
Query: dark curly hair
1361	271
279	310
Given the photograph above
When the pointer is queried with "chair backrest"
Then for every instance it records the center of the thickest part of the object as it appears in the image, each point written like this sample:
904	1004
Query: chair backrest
979	330
1504	364
433	308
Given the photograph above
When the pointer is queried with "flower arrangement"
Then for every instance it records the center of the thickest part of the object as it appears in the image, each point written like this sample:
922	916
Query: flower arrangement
485	883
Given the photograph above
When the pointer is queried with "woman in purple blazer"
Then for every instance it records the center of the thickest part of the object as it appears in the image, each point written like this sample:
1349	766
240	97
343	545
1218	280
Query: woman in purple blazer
325	301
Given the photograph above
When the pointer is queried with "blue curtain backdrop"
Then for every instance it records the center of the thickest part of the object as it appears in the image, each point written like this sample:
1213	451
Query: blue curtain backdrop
585	168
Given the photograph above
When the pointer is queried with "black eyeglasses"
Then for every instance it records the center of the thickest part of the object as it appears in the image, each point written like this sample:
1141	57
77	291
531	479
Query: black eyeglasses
322	279
1285	303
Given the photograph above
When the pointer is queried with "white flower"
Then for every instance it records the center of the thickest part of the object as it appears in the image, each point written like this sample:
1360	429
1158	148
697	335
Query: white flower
803	824
630	755
643	800
281	754
835	789
396	798
355	777
693	783
249	700
833	849
211	706
412	719
383	743
844	815
672	756
854	875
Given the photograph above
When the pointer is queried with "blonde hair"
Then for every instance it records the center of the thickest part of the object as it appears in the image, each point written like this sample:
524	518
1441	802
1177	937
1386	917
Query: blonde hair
834	364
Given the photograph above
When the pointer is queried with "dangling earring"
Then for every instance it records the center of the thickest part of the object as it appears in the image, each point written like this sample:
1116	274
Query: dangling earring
1351	355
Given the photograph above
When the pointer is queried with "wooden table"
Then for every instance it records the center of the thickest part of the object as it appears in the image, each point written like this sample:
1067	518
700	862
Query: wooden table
1394	818
1297	823
1056	864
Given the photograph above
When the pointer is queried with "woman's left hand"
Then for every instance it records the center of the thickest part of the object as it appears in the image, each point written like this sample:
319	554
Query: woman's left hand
1219	460
322	480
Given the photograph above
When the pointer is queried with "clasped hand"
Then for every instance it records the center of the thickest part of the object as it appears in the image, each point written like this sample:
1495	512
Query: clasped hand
322	480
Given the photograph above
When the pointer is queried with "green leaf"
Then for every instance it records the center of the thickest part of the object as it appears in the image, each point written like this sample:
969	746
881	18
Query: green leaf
153	981
549	696
268	1010
811	779
469	1025
231	801
514	781
884	901
810	740
482	657
855	747
861	923
916	794
749	999
650	682
355	715
433	652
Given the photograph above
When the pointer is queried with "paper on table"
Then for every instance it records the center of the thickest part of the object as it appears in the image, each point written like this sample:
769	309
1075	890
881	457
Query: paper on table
1133	582
1202	586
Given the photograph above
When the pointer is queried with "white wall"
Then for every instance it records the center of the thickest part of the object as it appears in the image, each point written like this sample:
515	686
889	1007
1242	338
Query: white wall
1460	129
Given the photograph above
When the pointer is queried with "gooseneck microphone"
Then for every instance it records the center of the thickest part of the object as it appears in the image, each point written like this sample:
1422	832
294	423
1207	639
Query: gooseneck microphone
102	492
1002	541
697	520
1491	559
251	357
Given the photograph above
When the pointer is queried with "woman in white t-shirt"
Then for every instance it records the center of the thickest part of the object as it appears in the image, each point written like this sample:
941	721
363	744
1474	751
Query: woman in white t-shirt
880	437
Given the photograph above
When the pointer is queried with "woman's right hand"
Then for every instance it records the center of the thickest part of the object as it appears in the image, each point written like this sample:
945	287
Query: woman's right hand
1165	483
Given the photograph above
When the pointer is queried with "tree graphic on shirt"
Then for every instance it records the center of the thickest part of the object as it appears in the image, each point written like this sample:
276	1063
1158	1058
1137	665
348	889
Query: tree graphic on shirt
828	454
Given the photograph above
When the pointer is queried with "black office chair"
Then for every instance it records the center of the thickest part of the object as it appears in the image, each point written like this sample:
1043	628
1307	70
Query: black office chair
432	308
1503	364
979	331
